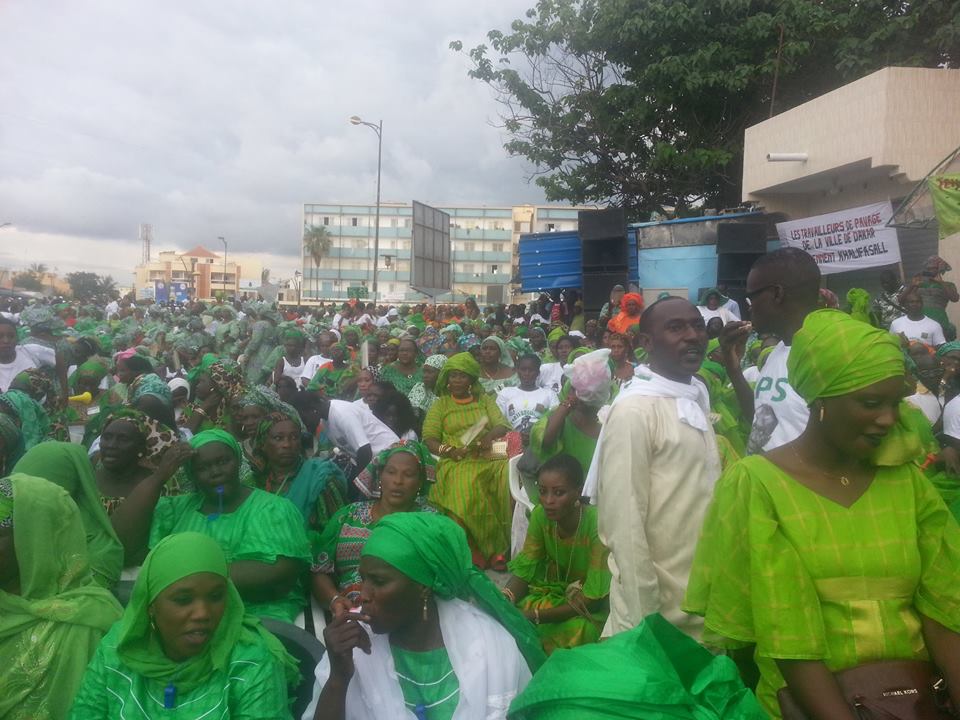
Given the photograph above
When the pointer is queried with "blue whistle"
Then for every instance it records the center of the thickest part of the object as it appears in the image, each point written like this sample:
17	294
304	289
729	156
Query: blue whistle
170	697
421	712
214	516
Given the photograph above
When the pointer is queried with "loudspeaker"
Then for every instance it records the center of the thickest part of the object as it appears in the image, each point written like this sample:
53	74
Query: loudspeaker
739	238
603	240
597	286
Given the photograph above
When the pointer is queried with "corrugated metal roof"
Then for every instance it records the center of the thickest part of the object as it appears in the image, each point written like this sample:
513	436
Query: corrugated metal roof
706	218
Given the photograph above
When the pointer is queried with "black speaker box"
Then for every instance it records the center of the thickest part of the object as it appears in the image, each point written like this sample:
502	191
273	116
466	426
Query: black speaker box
597	286
741	238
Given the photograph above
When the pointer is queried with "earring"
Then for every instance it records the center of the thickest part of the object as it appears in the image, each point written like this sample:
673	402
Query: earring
821	412
426	609
139	455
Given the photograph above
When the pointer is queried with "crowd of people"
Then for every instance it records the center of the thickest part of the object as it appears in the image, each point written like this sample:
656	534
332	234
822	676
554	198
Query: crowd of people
729	516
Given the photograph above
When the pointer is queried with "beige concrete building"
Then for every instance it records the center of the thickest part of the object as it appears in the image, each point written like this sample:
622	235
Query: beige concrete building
869	141
204	271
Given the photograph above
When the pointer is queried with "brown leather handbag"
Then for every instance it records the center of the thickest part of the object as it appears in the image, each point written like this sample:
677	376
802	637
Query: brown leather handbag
889	690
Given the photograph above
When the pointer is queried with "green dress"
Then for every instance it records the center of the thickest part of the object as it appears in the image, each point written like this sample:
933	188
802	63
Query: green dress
333	381
264	528
430	688
318	488
402	382
805	578
252	687
474	490
571	441
491	386
549	564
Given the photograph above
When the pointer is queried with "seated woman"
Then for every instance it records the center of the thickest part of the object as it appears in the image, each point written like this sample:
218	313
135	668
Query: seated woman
215	387
471	485
28	415
262	535
523	405
496	365
40	386
367	378
551	373
338	378
131	448
185	647
419	648
833	550
67	465
317	487
560	579
394	410
405	372
422	394
395	481
52	613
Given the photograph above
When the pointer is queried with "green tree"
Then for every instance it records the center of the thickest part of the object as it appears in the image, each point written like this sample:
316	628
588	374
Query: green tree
643	103
106	286
38	270
317	242
84	285
28	281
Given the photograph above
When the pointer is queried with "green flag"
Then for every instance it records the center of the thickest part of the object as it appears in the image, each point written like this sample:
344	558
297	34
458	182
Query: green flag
945	190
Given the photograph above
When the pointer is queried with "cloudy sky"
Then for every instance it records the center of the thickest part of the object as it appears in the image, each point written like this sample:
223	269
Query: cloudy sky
217	117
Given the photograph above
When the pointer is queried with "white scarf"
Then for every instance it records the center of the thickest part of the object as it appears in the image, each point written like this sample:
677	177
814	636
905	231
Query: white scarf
485	658
693	409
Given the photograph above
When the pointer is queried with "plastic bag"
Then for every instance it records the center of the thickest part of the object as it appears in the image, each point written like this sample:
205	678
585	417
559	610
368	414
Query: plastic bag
590	376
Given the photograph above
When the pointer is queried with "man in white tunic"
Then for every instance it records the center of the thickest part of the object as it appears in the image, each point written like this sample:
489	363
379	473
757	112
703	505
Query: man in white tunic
655	467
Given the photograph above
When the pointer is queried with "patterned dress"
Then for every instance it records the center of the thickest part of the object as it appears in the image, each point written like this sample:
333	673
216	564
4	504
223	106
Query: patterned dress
549	564
800	576
402	382
474	491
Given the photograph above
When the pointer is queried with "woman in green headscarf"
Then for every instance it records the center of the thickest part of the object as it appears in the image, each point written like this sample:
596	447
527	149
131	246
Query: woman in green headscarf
843	506
52	613
262	534
438	638
215	388
185	646
338	378
396	480
496	366
68	466
859	301
729	423
460	428
405	372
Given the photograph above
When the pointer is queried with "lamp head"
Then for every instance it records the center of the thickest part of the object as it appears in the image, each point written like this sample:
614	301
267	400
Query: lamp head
355	120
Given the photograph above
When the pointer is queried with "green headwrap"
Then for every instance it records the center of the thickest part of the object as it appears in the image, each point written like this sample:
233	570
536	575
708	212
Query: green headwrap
705	295
859	301
175	557
465	363
952	346
67	465
432	550
368	481
216	435
150	384
833	354
556	334
453	328
205	362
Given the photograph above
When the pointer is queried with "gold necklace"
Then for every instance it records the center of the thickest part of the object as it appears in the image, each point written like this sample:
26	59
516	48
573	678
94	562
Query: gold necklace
556	540
844	480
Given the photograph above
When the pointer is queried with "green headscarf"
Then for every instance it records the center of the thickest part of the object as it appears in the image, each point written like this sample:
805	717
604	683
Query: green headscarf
556	334
48	632
96	370
833	354
452	328
680	679
68	466
175	557
705	295
150	384
859	301
368	481
506	359
11	443
211	436
465	363
432	550
33	419
205	362
952	346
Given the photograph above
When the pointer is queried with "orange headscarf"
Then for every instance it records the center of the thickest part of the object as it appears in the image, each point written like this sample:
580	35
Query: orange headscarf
623	320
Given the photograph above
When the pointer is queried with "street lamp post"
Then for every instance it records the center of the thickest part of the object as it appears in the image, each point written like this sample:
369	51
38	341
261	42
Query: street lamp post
223	240
297	276
378	129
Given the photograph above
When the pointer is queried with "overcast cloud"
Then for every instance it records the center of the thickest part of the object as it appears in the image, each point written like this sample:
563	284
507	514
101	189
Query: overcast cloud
221	117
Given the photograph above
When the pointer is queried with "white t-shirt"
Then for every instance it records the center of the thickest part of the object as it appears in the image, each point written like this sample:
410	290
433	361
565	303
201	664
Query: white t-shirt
524	407
951	418
310	368
926	330
927	402
345	427
779	414
23	359
380	435
720	312
752	374
551	376
732	307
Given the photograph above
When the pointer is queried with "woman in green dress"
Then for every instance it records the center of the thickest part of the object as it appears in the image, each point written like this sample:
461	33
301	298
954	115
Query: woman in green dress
406	371
396	480
572	427
263	340
262	535
338	378
437	640
52	612
67	465
423	395
471	485
560	579
185	647
496	366
28	414
316	486
215	388
833	550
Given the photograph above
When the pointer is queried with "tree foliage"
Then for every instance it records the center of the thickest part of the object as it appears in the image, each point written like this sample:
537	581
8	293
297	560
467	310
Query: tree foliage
28	281
317	242
643	103
86	286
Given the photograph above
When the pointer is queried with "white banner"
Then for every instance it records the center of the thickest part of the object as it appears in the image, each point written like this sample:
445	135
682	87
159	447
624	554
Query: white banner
846	240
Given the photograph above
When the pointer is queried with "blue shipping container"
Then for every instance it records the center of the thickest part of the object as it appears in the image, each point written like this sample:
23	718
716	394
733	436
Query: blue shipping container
553	261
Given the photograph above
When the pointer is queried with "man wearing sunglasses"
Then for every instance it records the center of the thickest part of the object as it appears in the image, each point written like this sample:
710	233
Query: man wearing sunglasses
782	289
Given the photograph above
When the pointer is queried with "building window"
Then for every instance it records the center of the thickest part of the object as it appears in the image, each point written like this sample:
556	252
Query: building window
359	243
354	222
468	267
469	247
551	227
393	223
517	226
498	247
494	269
407	222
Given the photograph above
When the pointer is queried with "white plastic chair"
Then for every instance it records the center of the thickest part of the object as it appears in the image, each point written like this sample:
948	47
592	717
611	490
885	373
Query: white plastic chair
521	511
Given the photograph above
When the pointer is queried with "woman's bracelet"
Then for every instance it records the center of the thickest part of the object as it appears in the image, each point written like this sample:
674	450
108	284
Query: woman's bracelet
333	600
536	616
508	593
201	412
